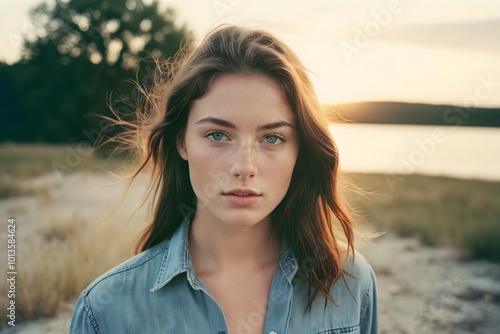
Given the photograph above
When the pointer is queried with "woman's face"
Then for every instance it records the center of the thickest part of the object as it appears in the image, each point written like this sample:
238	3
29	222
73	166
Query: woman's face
241	147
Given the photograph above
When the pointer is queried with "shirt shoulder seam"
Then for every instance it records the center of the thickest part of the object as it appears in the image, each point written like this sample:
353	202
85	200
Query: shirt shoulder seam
367	294
88	309
142	259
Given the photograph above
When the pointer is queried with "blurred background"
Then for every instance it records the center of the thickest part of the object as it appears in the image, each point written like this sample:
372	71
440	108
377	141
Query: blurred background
412	89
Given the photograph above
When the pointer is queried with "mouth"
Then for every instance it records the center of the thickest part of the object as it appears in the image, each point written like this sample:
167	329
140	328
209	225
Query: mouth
242	197
242	192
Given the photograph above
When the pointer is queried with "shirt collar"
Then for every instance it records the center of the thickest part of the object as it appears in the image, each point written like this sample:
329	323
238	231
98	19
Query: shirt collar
288	263
177	259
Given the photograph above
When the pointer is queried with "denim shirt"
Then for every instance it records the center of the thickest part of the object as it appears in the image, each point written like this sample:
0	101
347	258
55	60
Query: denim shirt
157	292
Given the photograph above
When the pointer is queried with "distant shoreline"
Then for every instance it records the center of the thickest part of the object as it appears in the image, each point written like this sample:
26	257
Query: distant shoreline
413	114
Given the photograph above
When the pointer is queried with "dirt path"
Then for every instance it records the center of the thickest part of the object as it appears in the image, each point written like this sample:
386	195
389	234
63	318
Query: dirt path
421	289
430	290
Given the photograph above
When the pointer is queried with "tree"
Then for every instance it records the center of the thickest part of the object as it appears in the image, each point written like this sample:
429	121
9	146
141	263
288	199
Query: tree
83	50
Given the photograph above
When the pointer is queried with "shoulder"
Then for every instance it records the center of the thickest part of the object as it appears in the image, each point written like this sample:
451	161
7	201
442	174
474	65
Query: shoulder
360	281
149	259
358	267
118	287
139	271
358	273
352	307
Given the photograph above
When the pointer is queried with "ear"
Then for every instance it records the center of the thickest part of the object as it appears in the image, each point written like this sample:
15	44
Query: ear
181	147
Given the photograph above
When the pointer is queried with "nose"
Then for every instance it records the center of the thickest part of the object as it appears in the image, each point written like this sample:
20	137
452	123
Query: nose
244	162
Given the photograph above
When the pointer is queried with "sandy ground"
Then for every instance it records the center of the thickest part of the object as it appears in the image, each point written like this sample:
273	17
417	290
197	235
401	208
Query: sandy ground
430	290
420	289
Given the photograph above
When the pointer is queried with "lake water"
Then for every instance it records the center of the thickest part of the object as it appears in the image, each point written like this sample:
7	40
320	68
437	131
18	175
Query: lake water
463	152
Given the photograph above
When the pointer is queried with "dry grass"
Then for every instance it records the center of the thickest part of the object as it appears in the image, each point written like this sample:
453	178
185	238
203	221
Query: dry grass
439	210
63	258
21	161
16	188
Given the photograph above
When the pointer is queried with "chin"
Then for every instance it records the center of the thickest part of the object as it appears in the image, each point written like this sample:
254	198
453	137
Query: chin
244	220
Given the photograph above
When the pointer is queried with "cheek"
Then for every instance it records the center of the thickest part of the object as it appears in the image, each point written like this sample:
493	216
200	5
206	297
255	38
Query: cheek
199	175
205	169
199	166
280	170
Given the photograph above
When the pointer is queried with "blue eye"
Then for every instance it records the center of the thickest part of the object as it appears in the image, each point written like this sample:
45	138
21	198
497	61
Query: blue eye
272	139
217	136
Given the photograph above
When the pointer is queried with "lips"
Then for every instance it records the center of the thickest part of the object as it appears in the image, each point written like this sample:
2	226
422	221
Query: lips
242	197
242	192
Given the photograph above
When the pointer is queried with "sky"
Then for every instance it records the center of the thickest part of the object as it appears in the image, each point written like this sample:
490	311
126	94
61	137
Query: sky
429	51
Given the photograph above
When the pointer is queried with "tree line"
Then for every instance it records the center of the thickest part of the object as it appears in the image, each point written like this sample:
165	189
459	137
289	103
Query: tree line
81	55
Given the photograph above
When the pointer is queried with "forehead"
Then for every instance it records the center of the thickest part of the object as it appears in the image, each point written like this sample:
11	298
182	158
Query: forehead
243	98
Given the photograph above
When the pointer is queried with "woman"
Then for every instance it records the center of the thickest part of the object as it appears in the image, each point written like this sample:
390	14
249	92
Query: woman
245	235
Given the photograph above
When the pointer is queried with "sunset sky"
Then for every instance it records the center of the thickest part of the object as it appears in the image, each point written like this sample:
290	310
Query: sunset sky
445	51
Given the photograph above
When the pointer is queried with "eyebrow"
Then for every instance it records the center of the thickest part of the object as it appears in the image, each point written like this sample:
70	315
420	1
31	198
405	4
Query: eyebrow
227	124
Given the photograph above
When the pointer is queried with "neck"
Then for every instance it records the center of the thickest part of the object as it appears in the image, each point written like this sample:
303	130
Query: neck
216	247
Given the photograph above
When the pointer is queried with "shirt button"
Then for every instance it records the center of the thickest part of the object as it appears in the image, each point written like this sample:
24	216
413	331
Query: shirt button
272	332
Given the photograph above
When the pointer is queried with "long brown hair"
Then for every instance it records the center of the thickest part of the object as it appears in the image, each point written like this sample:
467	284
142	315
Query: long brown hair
311	210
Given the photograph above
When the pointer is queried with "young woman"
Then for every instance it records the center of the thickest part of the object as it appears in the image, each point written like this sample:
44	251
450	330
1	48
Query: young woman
247	228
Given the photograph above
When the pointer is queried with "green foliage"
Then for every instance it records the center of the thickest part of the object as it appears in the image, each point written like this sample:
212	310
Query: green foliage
84	51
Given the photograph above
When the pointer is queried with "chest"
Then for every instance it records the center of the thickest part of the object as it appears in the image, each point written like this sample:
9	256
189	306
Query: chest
243	300
178	308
